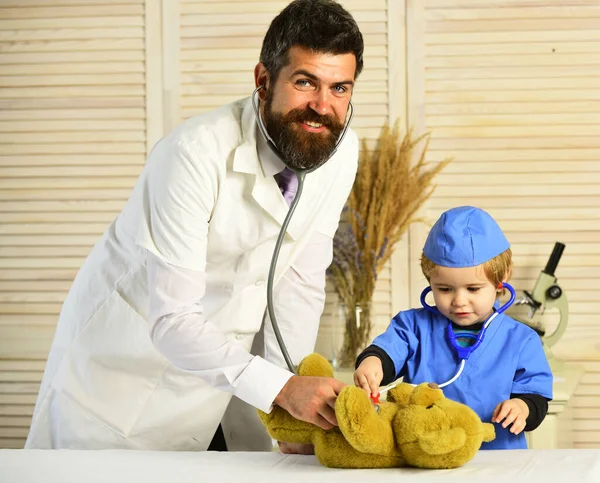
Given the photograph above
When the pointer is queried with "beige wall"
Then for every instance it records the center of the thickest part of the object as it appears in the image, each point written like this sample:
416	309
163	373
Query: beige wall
75	126
511	89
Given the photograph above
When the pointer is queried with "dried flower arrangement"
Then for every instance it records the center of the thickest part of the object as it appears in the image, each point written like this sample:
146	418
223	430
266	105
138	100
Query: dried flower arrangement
388	191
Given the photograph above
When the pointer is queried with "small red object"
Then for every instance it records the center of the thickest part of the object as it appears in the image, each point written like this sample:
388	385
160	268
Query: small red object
375	398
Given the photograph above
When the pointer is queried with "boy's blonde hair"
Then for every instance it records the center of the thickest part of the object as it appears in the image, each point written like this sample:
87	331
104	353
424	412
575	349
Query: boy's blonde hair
496	269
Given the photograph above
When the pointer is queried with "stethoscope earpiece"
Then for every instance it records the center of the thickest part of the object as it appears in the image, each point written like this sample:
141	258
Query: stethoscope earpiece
507	286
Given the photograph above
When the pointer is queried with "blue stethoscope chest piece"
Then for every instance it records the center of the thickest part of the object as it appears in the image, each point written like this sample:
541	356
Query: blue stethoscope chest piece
463	352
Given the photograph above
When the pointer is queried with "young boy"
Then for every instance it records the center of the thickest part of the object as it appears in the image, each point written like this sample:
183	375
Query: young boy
507	379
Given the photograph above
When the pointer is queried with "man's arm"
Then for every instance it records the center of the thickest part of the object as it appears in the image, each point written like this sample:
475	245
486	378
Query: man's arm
189	341
299	300
180	193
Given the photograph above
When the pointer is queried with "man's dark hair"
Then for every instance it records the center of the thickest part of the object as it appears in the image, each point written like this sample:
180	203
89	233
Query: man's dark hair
322	26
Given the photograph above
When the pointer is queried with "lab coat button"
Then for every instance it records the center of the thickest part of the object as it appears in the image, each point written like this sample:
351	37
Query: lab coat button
239	336
260	282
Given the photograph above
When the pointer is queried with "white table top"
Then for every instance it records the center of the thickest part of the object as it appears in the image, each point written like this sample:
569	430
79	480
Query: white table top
120	466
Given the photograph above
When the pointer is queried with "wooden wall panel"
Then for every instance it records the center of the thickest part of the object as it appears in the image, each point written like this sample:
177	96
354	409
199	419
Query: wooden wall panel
74	134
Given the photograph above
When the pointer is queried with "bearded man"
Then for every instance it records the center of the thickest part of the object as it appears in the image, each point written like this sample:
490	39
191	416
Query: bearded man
165	321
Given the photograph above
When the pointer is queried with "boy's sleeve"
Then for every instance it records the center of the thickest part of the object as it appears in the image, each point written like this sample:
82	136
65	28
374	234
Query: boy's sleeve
538	408
533	375
399	341
389	372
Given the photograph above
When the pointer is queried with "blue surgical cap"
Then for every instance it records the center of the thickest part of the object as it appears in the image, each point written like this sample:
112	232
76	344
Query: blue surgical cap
464	237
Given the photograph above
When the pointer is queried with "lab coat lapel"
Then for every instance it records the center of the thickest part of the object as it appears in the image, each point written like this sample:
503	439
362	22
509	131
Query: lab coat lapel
265	190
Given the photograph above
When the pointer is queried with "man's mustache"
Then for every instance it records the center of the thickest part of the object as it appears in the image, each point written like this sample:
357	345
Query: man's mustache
302	115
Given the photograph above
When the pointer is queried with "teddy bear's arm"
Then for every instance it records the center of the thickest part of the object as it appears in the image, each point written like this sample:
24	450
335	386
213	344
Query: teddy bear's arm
363	427
283	427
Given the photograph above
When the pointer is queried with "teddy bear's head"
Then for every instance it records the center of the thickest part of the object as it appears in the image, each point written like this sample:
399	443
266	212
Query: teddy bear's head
432	431
416	426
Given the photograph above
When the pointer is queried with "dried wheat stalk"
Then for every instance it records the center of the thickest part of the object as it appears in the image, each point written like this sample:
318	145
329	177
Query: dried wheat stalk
388	191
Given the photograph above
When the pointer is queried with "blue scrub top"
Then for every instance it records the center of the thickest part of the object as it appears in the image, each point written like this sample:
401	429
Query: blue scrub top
510	360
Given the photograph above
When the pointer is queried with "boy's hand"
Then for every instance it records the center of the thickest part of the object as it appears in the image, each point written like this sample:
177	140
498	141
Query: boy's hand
511	411
369	374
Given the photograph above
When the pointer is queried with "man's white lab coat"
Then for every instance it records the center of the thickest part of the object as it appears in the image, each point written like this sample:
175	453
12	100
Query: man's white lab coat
204	203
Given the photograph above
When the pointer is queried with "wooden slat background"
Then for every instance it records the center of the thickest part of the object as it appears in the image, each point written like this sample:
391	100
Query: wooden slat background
73	138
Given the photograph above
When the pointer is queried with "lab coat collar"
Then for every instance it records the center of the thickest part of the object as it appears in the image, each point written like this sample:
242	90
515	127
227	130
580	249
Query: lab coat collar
265	191
271	163
254	156
245	159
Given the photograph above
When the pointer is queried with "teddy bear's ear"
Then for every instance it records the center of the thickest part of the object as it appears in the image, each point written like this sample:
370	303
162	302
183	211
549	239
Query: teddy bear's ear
425	394
400	394
315	365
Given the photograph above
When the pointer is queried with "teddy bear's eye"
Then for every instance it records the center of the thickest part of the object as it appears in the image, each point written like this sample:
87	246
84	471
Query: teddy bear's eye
429	407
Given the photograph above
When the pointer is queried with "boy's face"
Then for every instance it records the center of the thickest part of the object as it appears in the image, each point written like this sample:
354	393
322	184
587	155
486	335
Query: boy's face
463	295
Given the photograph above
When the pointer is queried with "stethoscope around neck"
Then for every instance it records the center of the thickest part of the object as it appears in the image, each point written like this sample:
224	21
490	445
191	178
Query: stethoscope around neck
300	173
463	353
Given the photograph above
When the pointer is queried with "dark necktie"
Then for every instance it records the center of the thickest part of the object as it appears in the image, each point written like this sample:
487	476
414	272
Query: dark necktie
288	184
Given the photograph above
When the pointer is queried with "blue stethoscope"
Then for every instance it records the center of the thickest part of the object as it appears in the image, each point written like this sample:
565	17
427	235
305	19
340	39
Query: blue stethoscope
462	352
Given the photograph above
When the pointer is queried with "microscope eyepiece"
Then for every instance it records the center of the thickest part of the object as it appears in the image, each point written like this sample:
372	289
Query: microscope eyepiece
554	258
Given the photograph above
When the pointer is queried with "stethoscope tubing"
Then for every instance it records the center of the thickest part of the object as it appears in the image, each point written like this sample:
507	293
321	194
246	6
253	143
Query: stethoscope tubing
301	174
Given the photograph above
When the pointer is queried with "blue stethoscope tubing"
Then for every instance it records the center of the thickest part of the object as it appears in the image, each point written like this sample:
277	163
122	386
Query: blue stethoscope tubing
300	173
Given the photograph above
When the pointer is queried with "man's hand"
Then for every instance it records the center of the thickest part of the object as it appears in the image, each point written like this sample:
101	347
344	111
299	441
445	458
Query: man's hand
512	411
295	448
369	374
311	399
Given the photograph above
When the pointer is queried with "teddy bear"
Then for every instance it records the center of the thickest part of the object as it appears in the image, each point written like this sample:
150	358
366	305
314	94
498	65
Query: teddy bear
416	426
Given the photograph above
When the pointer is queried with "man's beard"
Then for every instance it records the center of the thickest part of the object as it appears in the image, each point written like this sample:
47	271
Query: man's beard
301	149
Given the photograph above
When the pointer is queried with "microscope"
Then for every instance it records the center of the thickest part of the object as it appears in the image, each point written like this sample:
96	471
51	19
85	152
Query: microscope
546	294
